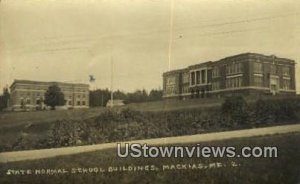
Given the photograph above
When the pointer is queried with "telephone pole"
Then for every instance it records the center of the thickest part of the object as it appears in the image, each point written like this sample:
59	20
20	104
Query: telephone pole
170	34
111	82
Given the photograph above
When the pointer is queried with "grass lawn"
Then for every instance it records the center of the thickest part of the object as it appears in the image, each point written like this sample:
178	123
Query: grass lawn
14	125
11	119
8	119
36	124
169	105
284	169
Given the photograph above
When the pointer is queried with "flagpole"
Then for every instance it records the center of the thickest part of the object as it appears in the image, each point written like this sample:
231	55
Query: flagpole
111	61
170	34
111	83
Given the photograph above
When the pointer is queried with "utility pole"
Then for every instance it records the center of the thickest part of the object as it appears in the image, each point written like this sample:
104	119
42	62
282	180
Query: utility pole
111	82
170	34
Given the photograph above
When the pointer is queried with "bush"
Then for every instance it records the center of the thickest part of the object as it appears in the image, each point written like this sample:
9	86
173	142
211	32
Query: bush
126	124
277	111
236	111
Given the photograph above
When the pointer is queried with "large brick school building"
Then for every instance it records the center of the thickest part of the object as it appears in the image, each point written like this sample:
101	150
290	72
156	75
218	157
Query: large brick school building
244	74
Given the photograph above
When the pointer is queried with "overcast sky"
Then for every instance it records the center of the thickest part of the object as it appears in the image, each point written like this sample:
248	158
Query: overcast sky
67	40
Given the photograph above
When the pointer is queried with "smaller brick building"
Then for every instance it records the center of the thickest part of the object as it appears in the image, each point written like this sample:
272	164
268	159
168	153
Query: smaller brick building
245	74
31	94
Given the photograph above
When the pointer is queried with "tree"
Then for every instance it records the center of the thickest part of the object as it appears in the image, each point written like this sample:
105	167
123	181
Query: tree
54	97
138	96
99	97
155	95
4	99
120	95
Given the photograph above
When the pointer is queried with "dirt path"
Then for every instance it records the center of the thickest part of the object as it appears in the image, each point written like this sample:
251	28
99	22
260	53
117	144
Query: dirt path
48	153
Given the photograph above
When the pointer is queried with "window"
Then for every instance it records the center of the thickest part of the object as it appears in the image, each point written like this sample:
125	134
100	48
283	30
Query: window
286	84
216	85
170	90
235	82
38	102
170	80
78	102
286	71
83	102
203	78
215	72
240	66
185	78
258	81
258	67
227	69
185	89
233	68
198	77
70	102
192	78
273	69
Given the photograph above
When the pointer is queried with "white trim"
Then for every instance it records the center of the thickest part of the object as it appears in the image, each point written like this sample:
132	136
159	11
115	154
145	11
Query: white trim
26	105
177	95
173	95
185	94
233	76
31	90
258	74
287	78
79	106
35	90
202	84
199	69
240	88
274	76
229	89
287	90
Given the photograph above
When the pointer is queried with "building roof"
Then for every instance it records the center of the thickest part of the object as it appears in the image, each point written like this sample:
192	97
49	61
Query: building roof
47	83
290	61
174	71
201	64
257	55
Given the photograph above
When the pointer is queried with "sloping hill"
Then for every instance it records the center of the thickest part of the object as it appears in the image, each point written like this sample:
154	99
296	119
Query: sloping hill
48	153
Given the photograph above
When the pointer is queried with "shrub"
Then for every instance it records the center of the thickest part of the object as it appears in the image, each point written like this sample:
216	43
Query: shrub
277	111
126	124
235	110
